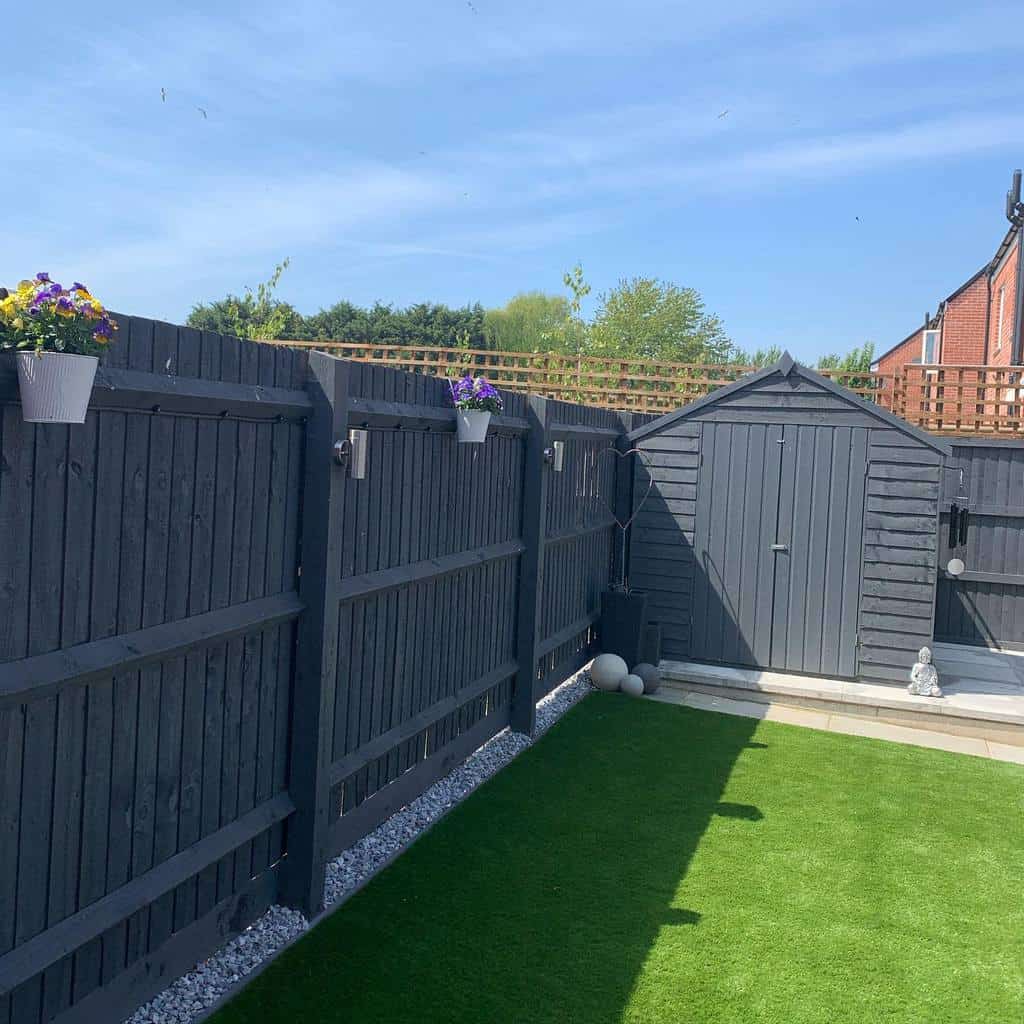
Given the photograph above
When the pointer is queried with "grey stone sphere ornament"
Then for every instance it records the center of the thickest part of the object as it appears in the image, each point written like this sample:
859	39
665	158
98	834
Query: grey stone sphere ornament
607	671
924	677
633	685
650	675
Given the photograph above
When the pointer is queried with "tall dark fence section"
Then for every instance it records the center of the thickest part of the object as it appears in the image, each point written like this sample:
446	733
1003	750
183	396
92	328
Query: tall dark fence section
985	605
223	659
148	581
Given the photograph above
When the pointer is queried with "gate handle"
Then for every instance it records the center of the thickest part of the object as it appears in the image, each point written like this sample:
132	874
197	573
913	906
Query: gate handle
780	547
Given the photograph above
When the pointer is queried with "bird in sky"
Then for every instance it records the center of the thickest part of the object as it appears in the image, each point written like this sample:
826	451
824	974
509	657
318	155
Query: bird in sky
163	95
203	112
723	113
471	7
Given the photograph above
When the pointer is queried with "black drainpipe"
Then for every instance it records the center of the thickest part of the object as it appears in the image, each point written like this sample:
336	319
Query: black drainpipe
1018	324
1015	215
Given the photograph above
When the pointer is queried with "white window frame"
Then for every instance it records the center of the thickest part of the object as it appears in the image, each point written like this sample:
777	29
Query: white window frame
999	319
924	345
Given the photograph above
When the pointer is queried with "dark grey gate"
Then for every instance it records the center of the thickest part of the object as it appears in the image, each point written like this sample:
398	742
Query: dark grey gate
778	579
984	605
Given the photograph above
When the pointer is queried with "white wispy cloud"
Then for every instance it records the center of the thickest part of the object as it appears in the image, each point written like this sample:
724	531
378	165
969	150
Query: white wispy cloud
658	162
979	30
548	129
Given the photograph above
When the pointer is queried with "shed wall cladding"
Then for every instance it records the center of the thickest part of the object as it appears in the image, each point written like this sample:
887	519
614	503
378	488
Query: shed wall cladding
789	526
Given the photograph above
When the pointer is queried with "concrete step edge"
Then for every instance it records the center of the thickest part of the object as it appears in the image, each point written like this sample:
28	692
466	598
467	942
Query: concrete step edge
746	688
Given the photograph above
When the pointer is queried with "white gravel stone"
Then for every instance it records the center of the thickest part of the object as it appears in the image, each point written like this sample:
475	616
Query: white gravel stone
183	1000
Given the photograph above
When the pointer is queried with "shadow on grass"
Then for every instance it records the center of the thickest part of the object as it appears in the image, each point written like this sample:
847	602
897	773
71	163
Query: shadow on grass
538	899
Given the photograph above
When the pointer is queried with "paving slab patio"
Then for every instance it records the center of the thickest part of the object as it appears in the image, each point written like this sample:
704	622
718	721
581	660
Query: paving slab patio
839	723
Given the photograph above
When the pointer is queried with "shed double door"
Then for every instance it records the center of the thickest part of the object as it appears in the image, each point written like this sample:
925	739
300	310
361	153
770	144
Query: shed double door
777	544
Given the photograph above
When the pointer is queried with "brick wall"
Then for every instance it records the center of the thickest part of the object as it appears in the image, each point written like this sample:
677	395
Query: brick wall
963	324
907	351
1005	279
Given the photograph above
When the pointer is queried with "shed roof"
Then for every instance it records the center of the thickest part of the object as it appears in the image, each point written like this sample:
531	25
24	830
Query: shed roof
787	367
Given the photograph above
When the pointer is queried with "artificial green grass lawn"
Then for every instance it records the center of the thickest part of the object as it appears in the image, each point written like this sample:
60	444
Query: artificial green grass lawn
652	863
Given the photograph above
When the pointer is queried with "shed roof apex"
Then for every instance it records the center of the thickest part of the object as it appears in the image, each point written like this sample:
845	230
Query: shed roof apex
788	367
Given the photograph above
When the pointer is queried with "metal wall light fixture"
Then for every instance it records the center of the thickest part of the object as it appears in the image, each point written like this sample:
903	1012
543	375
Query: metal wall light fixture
358	439
351	452
555	456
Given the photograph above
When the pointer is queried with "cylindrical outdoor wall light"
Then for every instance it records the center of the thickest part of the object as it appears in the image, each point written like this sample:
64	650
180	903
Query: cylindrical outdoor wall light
555	455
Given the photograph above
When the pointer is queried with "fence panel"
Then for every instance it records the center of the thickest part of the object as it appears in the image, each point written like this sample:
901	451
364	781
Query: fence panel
579	529
985	605
145	657
425	611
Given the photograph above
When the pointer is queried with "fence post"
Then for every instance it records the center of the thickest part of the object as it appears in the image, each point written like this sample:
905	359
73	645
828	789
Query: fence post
623	485
531	566
302	881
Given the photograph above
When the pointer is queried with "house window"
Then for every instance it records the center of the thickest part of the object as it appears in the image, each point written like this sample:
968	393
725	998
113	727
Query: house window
999	318
930	347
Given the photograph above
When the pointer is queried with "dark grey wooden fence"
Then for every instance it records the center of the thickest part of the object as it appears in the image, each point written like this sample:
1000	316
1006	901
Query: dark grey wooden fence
986	604
148	572
223	660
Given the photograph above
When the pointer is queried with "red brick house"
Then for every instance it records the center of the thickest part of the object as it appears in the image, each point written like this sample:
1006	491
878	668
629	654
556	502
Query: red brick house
982	322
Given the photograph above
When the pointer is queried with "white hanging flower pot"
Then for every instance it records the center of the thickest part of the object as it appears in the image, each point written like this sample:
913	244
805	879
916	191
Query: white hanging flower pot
55	386
472	425
56	334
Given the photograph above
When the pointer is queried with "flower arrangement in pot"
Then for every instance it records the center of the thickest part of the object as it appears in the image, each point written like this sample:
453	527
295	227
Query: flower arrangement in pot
57	334
475	399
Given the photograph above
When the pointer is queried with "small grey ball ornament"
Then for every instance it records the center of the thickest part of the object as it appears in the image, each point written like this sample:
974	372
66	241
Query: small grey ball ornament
633	685
650	675
607	671
924	677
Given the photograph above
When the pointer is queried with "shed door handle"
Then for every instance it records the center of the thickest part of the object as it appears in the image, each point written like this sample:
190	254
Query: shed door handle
780	547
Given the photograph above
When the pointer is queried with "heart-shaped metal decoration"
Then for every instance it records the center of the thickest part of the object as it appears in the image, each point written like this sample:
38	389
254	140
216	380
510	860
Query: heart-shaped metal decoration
645	461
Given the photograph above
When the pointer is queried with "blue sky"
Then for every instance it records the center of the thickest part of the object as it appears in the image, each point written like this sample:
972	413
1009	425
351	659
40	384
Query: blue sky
458	152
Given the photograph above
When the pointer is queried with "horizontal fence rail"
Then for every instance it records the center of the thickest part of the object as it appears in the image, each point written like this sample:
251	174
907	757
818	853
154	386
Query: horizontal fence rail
958	400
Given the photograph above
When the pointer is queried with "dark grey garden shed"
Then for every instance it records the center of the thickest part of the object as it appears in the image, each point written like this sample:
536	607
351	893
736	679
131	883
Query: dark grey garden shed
791	525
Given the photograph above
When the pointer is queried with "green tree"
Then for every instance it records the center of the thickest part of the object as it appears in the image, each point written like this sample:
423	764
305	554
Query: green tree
343	321
848	368
576	335
256	315
528	322
758	357
645	318
857	360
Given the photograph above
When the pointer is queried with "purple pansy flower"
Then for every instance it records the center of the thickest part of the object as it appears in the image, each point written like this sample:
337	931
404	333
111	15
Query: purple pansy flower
42	277
469	392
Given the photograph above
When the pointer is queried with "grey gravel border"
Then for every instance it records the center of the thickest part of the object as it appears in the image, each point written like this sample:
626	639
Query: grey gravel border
194	996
